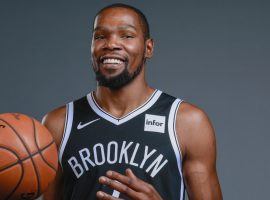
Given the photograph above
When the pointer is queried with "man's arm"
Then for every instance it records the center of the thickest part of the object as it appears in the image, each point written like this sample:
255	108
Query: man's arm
55	122
198	146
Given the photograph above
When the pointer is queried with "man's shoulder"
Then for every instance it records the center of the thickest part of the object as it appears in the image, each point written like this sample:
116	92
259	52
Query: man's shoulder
193	127
55	115
191	114
55	122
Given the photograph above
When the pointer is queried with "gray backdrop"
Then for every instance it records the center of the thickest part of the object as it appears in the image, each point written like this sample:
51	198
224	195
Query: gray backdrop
214	54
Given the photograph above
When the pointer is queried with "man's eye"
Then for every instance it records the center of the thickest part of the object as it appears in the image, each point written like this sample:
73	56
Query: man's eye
99	37
127	36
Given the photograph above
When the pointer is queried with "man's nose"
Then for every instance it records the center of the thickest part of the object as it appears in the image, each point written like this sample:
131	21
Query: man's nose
112	43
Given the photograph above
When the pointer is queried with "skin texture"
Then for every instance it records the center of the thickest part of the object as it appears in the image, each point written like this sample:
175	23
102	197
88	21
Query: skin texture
198	147
111	37
127	184
55	122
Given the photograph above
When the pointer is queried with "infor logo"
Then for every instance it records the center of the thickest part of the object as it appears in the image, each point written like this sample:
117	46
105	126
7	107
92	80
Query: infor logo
154	123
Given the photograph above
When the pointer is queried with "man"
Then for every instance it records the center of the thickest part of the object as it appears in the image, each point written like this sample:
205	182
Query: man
127	140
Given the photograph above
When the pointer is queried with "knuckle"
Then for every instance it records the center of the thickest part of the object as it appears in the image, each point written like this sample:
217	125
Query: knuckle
109	182
149	189
142	196
107	197
130	181
115	175
126	190
104	196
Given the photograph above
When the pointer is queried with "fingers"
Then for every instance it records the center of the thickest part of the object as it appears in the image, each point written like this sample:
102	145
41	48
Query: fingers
116	185
142	186
129	185
105	196
130	173
130	180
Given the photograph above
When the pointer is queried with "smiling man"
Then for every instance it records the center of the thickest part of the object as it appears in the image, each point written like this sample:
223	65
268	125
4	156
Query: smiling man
126	140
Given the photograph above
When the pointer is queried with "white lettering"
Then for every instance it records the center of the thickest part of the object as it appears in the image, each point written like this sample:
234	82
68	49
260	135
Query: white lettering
123	152
102	153
73	162
157	166
115	144
146	156
134	155
85	158
88	158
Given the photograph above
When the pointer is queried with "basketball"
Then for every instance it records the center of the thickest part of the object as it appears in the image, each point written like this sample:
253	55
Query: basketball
28	157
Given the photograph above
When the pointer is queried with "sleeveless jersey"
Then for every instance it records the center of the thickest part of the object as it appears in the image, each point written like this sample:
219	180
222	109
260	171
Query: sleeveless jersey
144	140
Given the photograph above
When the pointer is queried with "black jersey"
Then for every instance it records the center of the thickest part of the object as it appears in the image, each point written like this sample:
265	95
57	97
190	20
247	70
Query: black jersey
144	140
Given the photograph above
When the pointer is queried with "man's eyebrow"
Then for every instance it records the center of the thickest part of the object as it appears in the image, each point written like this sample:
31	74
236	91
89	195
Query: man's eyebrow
98	28
127	27
124	27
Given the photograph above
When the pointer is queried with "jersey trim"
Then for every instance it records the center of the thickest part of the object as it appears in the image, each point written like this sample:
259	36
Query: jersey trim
117	121
174	140
67	130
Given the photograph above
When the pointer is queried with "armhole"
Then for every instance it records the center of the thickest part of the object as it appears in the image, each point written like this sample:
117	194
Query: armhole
67	130
174	140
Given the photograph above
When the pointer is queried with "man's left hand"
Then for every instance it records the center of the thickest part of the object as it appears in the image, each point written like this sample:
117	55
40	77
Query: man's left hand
128	184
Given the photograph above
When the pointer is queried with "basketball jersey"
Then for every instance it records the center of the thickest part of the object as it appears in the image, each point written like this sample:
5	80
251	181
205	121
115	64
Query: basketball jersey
144	140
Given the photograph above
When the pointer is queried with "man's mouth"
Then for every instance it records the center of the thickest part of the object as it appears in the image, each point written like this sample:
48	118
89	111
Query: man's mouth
112	61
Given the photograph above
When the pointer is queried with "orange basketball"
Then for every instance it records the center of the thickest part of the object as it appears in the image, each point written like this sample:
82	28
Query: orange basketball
28	157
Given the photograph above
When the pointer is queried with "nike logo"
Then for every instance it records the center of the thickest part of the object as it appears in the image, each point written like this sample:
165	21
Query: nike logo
80	125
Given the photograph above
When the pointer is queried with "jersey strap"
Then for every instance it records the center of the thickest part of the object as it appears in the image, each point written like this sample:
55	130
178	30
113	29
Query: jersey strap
174	140
67	129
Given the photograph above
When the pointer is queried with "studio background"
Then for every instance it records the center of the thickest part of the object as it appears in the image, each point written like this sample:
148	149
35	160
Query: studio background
214	54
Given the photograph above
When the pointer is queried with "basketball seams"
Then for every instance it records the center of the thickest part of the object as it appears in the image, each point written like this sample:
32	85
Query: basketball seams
27	148
18	184
13	164
37	171
29	154
42	149
10	164
15	150
23	159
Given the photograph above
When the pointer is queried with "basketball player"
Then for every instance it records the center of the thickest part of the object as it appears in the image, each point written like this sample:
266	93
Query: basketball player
127	140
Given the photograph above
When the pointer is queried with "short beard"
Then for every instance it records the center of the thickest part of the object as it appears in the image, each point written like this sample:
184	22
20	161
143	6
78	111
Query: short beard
120	80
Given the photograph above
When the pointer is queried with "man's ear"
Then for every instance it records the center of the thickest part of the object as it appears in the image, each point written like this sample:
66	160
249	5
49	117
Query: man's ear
149	48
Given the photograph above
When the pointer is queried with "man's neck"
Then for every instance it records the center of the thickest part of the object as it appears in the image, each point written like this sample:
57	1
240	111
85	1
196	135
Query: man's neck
122	101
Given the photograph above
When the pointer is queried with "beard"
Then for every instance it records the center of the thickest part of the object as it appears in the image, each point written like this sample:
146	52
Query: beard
122	79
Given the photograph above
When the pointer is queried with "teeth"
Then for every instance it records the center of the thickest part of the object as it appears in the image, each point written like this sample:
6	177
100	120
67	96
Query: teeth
112	61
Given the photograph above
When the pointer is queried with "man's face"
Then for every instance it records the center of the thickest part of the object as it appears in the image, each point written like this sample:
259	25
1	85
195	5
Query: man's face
119	48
